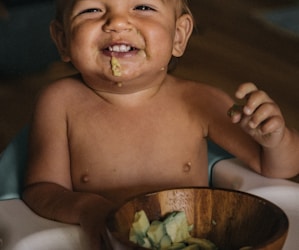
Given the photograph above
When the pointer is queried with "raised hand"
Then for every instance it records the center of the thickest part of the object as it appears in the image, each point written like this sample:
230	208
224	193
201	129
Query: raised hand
258	116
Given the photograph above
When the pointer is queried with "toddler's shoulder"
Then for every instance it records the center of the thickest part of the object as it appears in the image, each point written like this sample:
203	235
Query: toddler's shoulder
65	84
61	88
60	93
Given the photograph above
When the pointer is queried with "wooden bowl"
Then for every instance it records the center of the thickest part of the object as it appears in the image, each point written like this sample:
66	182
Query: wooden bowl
230	219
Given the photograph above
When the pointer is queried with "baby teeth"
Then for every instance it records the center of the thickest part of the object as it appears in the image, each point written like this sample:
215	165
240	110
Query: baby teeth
120	48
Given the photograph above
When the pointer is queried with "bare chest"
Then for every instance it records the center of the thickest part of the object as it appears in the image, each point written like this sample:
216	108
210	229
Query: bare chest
137	151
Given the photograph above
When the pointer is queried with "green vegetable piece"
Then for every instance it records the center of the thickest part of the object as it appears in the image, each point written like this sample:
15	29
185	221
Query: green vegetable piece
146	243
133	237
141	223
177	227
177	246
139	239
170	234
156	232
192	247
190	227
169	217
165	242
204	244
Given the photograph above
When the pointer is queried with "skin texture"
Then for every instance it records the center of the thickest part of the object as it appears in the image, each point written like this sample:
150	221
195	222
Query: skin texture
98	139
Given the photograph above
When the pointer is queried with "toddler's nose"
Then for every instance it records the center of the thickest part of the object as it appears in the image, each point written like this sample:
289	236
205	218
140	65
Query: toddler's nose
117	22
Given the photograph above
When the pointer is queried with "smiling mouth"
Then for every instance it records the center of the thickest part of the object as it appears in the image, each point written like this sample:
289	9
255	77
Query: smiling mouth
122	48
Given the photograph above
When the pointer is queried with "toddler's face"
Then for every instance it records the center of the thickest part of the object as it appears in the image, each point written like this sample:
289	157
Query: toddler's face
141	34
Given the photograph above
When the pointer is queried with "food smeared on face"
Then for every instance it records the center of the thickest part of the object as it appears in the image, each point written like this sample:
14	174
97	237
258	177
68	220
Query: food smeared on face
115	66
142	53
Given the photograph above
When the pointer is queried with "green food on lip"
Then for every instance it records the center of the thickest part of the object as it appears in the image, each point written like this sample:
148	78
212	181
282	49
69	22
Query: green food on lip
115	66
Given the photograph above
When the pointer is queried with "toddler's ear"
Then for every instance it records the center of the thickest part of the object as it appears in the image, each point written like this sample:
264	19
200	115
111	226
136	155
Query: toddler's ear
184	28
58	36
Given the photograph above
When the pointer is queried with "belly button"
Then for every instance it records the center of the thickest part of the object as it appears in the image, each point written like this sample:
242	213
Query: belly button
187	167
85	179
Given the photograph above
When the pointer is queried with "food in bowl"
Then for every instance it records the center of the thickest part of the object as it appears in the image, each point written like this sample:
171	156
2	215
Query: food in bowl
173	232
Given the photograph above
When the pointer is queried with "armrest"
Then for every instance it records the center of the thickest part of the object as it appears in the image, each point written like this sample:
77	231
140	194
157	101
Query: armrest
233	174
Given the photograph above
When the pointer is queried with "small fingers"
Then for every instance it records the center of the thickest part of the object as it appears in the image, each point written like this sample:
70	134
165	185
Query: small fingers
245	89
253	97
260	116
262	113
236	108
266	118
255	100
271	125
235	113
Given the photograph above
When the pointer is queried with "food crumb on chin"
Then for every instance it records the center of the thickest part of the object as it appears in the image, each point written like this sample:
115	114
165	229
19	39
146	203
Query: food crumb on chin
115	66
142	53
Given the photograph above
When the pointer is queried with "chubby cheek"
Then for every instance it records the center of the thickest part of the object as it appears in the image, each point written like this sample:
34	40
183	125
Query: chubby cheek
159	60
161	46
84	40
145	62
84	58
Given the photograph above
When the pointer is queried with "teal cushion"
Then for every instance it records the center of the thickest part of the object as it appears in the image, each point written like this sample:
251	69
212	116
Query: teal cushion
13	162
215	154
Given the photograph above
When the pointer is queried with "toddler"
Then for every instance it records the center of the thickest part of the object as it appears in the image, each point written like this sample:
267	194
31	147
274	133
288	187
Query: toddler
124	125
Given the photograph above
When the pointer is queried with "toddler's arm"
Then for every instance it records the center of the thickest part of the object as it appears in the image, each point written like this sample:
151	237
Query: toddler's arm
58	203
49	187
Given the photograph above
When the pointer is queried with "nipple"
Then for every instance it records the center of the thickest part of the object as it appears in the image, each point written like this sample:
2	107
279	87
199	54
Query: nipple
85	179
187	167
115	66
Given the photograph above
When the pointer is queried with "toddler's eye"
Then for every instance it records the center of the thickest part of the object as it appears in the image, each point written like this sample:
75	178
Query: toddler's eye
92	10
144	8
